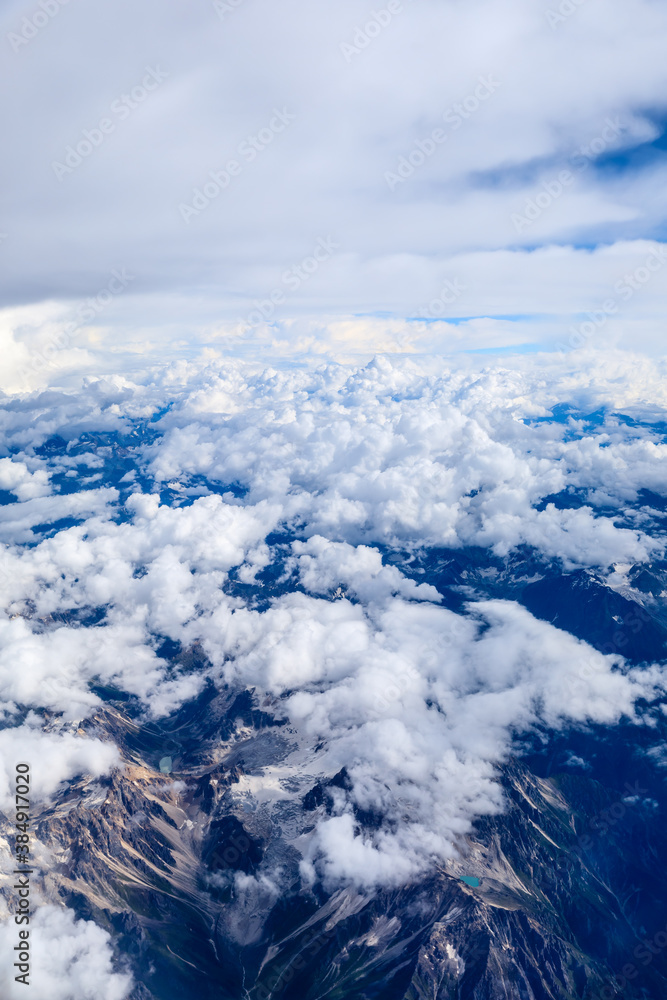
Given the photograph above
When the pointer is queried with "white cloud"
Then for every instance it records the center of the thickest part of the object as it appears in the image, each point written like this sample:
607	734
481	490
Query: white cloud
69	958
17	478
329	476
325	175
17	520
444	462
420	705
54	757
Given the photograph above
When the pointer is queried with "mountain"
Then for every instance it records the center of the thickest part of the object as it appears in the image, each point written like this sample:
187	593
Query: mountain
567	882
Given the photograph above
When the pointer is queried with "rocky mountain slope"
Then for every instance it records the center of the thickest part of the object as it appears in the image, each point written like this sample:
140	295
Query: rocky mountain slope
195	872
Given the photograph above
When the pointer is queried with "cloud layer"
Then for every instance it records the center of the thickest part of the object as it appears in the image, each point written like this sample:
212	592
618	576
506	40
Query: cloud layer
206	158
281	523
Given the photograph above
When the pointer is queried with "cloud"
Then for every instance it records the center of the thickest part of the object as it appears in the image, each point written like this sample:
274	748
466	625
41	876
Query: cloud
54	756
511	129
18	520
69	958
445	462
324	567
16	478
281	523
420	705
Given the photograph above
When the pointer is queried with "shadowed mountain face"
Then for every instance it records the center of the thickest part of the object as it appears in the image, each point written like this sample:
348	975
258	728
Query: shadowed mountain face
610	622
351	763
568	885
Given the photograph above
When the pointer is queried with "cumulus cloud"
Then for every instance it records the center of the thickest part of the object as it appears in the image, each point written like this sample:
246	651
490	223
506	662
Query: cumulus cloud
281	522
419	705
18	520
55	757
70	958
151	576
388	456
16	478
325	566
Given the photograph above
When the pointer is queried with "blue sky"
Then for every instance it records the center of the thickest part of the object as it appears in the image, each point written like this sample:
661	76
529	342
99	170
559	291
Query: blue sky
207	151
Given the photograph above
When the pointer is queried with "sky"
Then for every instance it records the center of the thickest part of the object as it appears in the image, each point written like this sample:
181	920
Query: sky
338	179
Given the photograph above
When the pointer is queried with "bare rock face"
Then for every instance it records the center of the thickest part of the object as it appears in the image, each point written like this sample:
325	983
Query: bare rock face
198	880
